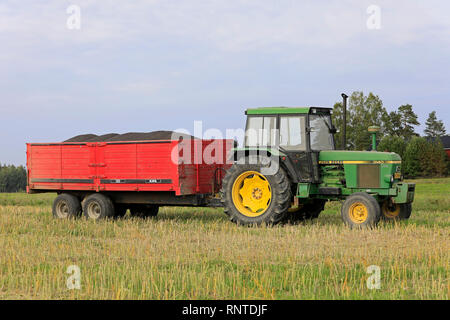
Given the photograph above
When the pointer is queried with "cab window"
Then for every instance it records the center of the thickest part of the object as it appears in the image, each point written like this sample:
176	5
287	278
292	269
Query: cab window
321	136
292	133
261	131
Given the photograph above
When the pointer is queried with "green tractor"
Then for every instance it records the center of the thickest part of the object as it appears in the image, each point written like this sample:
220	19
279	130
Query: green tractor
289	168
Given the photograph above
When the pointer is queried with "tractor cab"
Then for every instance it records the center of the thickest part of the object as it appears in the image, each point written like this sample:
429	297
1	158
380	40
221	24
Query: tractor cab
299	134
296	129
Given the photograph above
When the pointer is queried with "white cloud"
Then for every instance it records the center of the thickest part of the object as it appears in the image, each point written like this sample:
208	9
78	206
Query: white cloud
237	25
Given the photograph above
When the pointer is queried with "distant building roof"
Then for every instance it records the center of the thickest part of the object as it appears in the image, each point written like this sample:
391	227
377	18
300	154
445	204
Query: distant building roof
446	141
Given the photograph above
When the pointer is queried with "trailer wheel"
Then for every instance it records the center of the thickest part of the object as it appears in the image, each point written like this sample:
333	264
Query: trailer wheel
98	206
252	198
392	211
361	210
305	212
144	210
66	206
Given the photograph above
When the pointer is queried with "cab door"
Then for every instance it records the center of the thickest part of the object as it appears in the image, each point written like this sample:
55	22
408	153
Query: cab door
294	142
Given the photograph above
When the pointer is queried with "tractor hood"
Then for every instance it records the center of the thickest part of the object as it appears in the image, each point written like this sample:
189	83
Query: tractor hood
340	155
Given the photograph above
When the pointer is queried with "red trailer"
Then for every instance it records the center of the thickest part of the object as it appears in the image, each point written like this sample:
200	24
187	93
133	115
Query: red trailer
104	179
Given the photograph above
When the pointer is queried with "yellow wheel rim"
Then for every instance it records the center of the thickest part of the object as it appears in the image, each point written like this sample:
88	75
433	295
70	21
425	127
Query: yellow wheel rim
358	212
390	212
251	194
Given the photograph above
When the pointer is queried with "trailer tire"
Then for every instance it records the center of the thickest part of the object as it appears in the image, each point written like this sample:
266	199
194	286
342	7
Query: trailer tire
97	207
144	210
66	206
361	211
396	212
271	212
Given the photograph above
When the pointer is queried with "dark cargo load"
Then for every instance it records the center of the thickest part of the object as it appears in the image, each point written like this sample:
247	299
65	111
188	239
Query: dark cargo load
130	136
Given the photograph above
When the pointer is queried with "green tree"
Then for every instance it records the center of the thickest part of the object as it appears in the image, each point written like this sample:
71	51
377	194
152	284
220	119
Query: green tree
414	153
364	112
408	120
424	158
438	161
393	144
12	179
434	128
393	124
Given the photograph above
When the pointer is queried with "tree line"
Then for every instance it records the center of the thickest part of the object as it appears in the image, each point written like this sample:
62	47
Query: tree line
422	156
12	178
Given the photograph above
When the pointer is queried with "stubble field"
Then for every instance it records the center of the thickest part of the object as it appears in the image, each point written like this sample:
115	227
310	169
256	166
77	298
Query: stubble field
196	253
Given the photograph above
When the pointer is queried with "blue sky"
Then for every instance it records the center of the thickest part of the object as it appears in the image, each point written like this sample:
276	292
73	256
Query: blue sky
151	65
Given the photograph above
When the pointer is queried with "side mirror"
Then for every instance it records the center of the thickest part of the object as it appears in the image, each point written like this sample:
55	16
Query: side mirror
333	130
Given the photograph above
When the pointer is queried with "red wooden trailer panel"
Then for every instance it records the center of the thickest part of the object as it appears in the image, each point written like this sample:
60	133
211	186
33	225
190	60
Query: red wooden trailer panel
183	167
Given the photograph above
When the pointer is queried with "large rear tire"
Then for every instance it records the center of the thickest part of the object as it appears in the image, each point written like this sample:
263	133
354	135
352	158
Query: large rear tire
361	211
252	198
66	206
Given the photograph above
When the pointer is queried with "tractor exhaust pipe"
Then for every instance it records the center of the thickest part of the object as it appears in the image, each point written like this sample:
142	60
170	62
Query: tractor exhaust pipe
344	121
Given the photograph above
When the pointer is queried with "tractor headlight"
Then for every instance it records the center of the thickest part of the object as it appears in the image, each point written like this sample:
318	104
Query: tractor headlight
398	173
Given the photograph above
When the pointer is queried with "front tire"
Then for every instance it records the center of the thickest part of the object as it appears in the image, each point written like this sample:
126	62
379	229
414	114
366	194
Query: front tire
66	206
252	198
361	210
